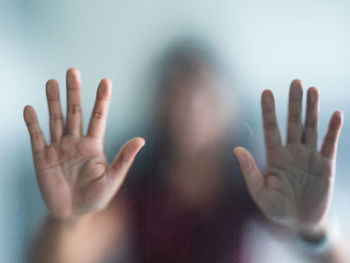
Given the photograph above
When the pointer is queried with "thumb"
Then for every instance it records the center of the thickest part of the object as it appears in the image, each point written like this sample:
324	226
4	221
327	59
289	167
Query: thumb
251	174
125	158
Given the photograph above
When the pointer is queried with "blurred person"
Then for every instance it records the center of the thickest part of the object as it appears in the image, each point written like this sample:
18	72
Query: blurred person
185	201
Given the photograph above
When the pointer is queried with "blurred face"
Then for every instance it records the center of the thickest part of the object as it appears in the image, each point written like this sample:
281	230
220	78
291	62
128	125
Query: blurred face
195	111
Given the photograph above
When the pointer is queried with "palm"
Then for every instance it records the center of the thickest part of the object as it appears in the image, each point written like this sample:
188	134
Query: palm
73	174
66	169
297	181
298	184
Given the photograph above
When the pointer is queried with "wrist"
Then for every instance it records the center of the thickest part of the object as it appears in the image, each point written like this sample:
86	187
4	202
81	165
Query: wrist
313	233
319	238
73	220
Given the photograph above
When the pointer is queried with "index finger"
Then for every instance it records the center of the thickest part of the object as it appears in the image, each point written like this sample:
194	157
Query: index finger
271	131
329	146
97	125
36	135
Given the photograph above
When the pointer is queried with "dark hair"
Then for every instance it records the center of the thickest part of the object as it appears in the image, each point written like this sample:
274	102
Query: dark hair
184	58
180	59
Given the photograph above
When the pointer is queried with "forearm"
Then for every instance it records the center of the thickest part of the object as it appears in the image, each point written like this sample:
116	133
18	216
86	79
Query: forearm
88	239
58	240
328	248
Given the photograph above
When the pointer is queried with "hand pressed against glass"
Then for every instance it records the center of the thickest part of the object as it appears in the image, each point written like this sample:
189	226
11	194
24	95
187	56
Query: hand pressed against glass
73	174
296	186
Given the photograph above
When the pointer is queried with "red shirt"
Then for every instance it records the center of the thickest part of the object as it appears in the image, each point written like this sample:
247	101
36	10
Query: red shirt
166	231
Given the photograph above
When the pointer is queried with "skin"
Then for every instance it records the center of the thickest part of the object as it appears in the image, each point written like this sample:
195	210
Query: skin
75	178
195	115
73	174
296	187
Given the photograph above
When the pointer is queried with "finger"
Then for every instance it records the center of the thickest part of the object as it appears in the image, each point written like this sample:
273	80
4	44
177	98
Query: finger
54	104
250	172
36	135
97	125
74	123
330	141
295	127
272	134
310	129
125	158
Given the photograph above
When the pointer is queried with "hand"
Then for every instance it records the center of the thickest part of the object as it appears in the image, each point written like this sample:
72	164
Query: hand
73	174
296	187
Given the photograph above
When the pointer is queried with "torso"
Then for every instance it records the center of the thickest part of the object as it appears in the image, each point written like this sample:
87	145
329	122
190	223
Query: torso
168	229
